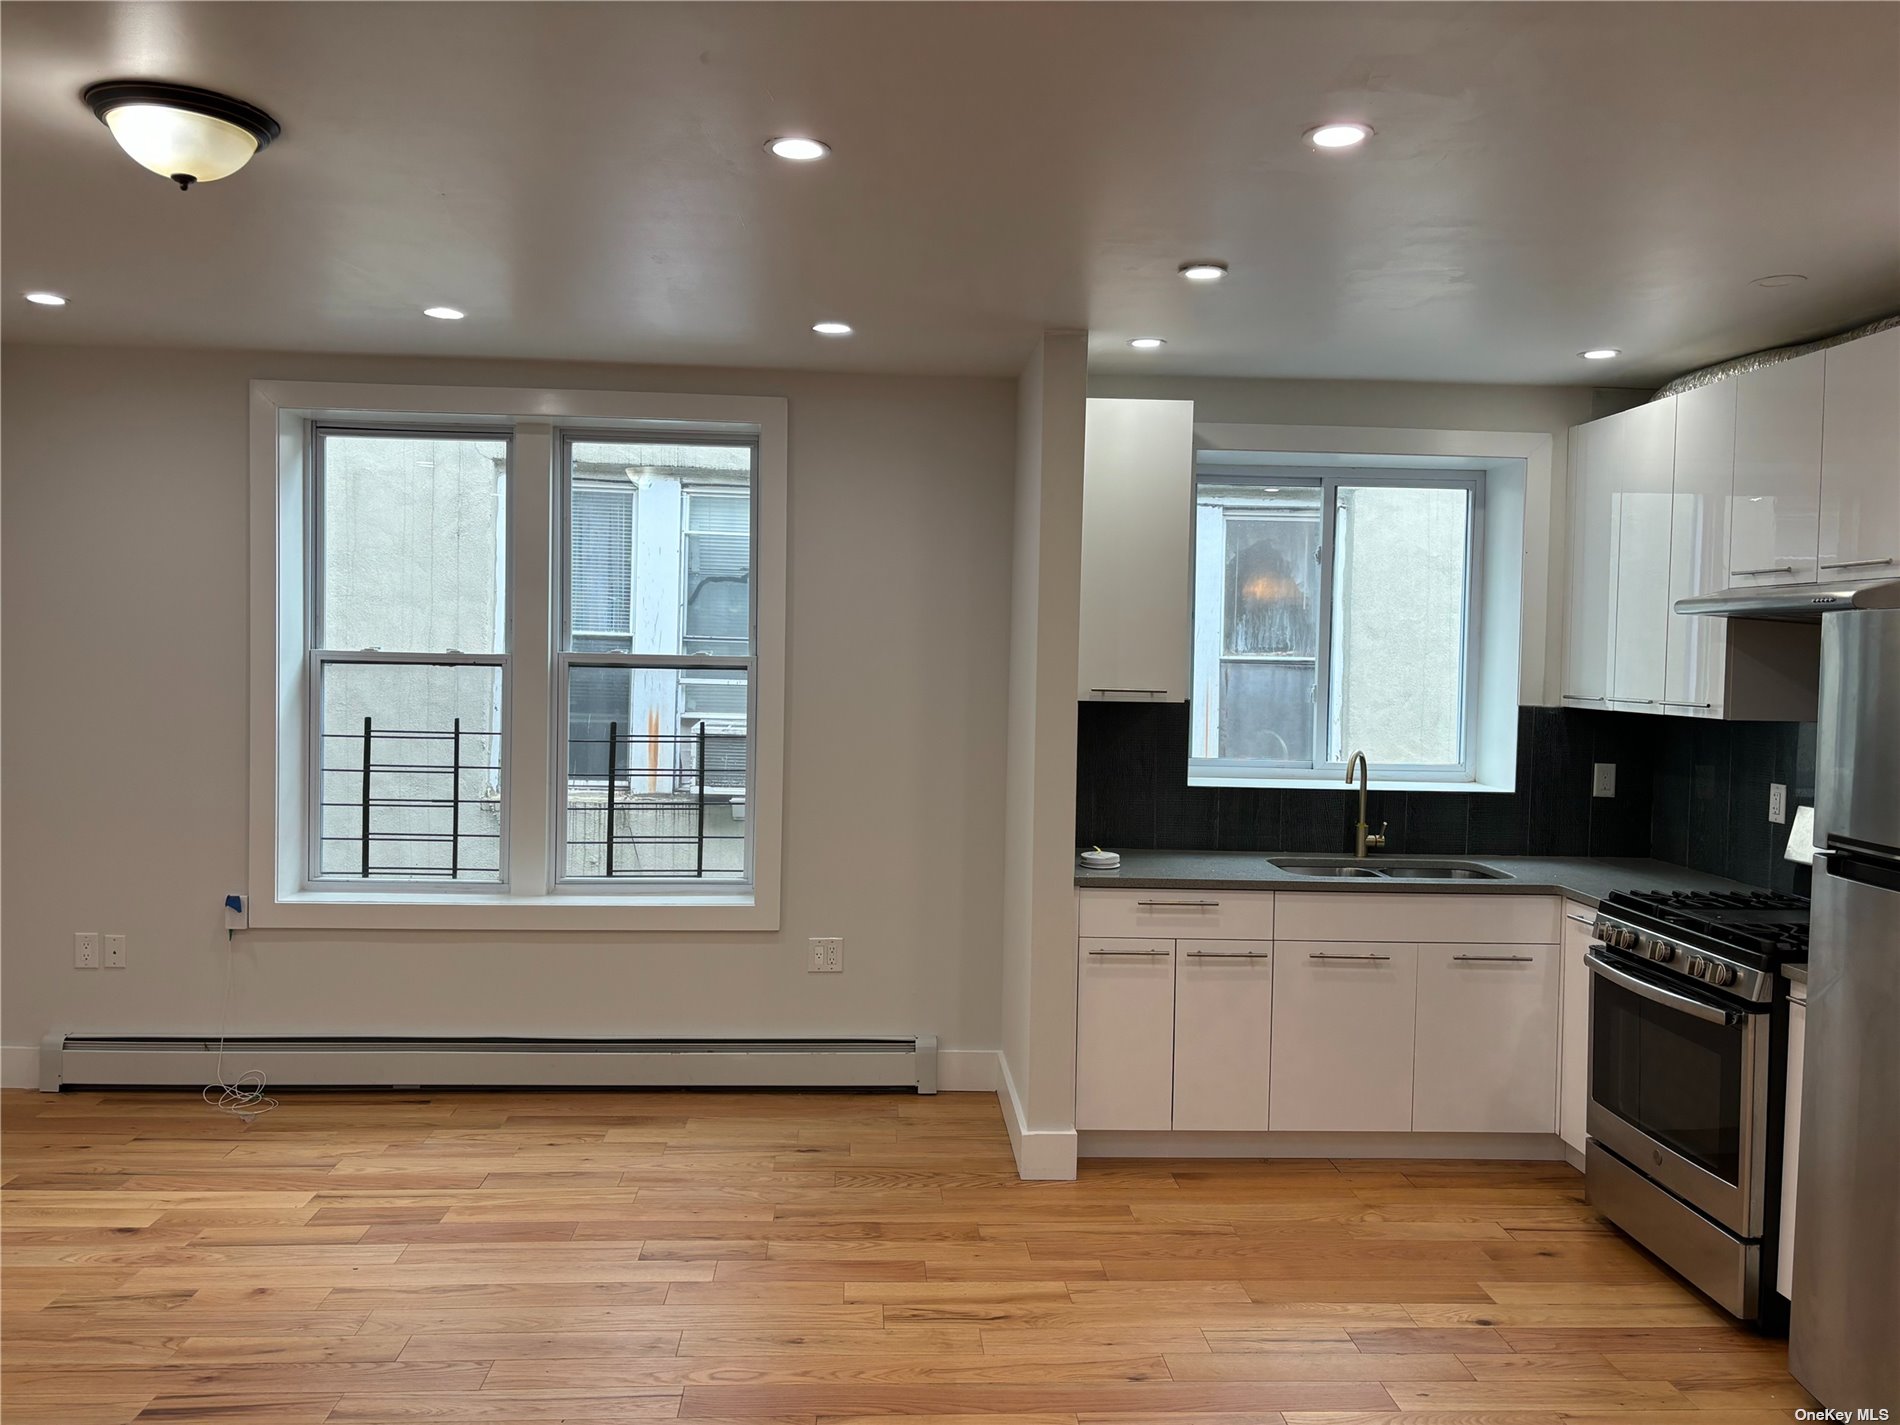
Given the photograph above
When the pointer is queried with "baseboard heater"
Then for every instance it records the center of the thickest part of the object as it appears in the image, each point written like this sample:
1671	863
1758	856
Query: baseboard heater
124	1061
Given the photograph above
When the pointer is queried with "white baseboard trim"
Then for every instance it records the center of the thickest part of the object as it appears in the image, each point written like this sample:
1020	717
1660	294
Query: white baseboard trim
19	1066
967	1070
1539	1147
1042	1154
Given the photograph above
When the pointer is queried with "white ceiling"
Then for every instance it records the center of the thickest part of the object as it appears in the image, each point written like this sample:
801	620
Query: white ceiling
588	181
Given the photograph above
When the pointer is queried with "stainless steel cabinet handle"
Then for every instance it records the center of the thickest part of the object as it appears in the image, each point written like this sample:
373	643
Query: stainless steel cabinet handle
1580	919
1322	955
1777	569
1129	952
1151	692
1668	704
1224	955
1184	905
1498	959
1636	702
1580	698
1856	563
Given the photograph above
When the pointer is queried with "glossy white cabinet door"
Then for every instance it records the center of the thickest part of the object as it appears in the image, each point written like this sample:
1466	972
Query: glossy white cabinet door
1223	1032
1137	514
1697	655
1791	1144
1487	1039
1592	587
1774	516
1573	1040
1343	1014
1124	1034
1640	478
1860	459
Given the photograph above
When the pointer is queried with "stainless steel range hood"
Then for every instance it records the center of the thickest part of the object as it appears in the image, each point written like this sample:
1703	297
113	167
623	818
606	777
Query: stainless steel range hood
1795	603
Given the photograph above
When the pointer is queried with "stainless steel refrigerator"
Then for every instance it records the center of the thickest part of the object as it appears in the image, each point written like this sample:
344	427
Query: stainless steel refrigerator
1844	1343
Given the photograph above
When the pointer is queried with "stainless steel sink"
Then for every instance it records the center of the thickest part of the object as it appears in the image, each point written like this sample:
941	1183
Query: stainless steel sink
1397	871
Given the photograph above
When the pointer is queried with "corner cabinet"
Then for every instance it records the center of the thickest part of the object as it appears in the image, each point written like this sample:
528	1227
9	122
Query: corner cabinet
1137	519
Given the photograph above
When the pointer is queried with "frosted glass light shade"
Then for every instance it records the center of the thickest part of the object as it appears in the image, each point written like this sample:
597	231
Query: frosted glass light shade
176	143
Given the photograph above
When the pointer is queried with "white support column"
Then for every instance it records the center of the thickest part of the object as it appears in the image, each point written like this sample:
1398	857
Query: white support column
529	741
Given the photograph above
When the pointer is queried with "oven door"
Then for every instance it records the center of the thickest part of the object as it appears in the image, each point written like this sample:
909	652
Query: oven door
1678	1087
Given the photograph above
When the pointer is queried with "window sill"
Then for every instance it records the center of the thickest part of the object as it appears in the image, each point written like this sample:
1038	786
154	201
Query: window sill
1334	784
742	909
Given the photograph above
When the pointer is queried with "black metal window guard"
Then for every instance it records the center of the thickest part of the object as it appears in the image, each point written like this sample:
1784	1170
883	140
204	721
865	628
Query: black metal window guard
368	768
678	801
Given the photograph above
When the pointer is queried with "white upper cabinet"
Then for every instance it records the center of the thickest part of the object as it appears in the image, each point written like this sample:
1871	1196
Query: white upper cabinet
1697	647
1774	514
1860	459
1642	442
1137	516
1592	608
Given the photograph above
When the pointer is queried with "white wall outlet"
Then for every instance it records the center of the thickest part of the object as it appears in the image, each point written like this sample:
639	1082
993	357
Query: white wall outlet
827	955
1778	803
85	949
1603	780
115	952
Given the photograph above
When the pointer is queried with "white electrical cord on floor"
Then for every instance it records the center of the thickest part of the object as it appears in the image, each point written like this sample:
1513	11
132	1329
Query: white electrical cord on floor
244	1096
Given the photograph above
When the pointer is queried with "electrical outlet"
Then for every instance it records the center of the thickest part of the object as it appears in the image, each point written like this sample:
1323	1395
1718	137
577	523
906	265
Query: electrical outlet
827	955
1778	803
115	952
85	949
1603	780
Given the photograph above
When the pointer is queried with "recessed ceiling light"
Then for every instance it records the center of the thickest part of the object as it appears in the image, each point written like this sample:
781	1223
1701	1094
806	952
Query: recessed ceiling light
799	150
831	328
1600	353
46	299
1147	343
1203	271
444	314
1781	279
179	131
1338	135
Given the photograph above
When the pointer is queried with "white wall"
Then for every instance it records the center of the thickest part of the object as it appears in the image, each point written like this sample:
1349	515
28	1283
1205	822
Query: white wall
1428	406
125	709
1039	926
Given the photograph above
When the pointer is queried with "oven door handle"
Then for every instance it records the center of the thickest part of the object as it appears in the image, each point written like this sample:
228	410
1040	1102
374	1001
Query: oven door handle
1636	984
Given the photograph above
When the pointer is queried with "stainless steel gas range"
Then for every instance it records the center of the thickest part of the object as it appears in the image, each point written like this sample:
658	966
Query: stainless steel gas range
1688	1018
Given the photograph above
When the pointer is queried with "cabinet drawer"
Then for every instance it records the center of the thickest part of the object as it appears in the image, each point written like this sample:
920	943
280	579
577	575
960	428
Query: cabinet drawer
1124	1034
1177	915
1395	916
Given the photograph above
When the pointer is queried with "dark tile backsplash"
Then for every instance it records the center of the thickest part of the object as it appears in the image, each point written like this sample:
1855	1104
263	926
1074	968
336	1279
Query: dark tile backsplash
1687	791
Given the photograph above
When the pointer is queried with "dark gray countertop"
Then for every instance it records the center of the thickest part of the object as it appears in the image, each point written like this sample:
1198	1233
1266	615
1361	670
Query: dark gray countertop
1579	878
1797	973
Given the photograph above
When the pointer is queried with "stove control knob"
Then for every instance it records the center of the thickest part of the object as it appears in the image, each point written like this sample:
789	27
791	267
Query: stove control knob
1658	949
1721	974
1697	966
1622	937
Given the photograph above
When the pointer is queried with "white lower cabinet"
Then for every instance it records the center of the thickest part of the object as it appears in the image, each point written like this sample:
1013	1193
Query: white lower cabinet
1573	1038
1223	1021
1791	1139
1342	1036
1486	1057
1124	1044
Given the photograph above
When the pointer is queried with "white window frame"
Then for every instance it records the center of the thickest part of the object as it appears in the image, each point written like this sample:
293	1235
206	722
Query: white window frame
1323	767
531	897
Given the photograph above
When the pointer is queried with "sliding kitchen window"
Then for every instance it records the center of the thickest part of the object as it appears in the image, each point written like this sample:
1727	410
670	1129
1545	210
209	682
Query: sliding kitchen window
1335	611
518	659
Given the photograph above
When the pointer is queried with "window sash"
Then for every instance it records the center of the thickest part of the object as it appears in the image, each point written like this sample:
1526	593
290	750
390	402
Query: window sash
1324	692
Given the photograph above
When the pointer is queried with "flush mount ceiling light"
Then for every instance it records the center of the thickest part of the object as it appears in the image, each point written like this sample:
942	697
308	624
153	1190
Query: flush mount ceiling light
1780	279
444	314
799	150
1338	135
1600	353
1203	271
186	134
1147	343
831	328
45	299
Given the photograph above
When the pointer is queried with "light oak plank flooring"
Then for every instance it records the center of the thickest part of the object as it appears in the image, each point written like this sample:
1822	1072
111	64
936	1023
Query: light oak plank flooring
456	1258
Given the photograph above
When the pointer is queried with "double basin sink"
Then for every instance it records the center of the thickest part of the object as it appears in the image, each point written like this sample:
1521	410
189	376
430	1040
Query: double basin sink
1372	870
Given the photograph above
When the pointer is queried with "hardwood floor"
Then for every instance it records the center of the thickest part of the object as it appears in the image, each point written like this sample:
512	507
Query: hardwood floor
497	1258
